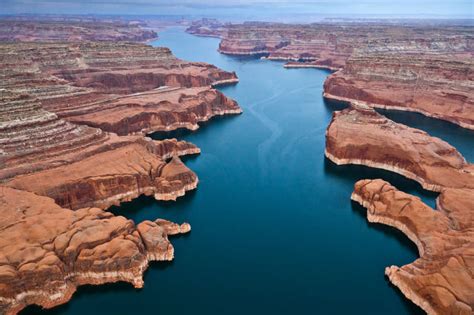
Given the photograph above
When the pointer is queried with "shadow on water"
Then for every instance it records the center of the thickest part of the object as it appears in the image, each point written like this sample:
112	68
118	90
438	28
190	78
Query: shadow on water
353	173
403	240
83	291
333	105
458	137
182	133
147	208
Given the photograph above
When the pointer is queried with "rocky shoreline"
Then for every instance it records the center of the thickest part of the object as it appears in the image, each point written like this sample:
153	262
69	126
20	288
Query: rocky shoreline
74	115
418	68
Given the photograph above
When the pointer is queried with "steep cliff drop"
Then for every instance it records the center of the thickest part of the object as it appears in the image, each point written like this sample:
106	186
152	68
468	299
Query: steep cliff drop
416	67
441	280
73	120
47	250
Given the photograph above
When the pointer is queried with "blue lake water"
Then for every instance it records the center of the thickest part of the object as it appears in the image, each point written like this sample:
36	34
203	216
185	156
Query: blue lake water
273	227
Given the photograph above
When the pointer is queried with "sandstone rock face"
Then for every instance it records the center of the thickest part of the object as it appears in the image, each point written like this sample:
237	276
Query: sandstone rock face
140	88
50	30
47	251
90	167
417	67
72	121
362	136
436	85
441	281
329	45
157	110
208	28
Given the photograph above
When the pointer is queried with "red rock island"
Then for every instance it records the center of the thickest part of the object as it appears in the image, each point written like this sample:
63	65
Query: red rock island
73	119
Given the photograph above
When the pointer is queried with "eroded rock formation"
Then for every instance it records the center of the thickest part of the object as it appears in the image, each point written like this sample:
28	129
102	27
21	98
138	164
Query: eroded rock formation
46	251
359	135
135	87
434	84
441	280
31	29
426	68
72	119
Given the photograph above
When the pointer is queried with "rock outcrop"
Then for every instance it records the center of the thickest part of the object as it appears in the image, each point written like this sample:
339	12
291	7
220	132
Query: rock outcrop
68	30
140	88
73	115
434	84
46	251
425	68
329	45
359	135
90	167
441	280
208	28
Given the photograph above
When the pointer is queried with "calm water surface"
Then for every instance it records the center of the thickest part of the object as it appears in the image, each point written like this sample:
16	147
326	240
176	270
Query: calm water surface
274	230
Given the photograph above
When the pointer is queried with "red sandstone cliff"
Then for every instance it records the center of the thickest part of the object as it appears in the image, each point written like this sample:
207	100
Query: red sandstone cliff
140	88
66	30
62	162
440	281
47	251
417	67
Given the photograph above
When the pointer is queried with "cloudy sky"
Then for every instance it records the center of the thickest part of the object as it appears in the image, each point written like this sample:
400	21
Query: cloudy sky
247	8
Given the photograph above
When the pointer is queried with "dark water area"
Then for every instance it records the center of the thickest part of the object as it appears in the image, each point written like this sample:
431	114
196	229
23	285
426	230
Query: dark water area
273	228
460	138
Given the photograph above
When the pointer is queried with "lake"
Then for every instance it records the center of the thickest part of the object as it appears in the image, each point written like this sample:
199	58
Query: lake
273	228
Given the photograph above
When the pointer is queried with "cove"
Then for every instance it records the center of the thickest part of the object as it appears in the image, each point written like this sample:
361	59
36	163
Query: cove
273	227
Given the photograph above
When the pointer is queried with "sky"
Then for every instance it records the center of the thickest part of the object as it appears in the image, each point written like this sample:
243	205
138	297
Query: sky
246	9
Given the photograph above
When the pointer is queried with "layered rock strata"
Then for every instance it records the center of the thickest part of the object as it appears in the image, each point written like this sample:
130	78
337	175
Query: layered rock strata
144	88
90	167
162	109
436	85
329	45
67	30
72	119
441	280
359	135
47	251
420	67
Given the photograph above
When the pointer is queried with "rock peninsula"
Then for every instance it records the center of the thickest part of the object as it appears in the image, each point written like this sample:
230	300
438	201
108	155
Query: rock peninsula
75	111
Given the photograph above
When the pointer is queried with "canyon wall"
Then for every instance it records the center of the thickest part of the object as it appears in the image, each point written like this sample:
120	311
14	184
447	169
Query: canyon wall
440	281
48	29
74	115
420	67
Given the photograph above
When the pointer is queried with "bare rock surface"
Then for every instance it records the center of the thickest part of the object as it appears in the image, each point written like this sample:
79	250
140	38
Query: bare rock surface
46	251
436	85
141	88
441	280
73	114
420	67
29	30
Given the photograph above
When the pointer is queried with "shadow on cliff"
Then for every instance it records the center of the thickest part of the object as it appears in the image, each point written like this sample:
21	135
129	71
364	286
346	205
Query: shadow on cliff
183	133
147	208
353	173
333	105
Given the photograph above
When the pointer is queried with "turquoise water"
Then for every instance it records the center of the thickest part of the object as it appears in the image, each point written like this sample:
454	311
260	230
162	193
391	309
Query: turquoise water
274	230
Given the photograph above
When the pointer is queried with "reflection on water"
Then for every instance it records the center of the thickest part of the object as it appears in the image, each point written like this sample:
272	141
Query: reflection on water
273	228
